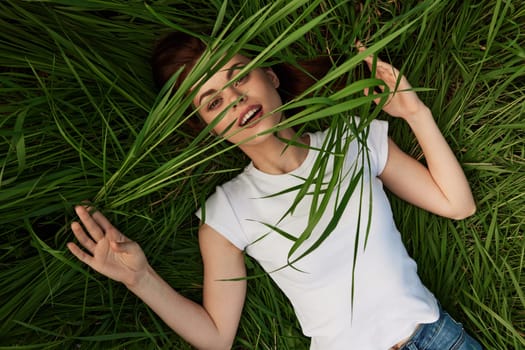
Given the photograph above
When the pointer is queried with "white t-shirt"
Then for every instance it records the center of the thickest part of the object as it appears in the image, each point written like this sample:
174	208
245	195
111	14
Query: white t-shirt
389	299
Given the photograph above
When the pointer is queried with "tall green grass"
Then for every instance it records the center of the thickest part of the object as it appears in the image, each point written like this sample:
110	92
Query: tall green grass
80	119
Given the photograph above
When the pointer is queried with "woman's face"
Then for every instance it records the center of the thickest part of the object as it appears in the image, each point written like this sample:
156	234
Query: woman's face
252	98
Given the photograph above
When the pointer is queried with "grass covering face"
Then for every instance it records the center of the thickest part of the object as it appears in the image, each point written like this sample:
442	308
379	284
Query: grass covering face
81	119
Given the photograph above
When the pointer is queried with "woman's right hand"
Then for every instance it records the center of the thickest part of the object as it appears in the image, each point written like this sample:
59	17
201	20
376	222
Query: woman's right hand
110	252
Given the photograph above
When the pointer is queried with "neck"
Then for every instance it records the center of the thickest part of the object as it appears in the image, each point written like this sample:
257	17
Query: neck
271	155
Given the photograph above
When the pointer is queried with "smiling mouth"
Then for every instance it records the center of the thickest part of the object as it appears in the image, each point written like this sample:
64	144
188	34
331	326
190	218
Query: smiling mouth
250	115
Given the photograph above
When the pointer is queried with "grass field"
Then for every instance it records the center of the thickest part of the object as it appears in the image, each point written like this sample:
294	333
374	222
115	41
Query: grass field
80	119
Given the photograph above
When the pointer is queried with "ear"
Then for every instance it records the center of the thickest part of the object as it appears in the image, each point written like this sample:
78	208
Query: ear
273	77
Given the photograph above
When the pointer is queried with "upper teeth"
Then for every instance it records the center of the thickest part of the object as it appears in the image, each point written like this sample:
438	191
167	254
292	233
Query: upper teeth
248	116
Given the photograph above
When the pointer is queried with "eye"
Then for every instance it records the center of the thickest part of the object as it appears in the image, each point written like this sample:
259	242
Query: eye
241	80
214	103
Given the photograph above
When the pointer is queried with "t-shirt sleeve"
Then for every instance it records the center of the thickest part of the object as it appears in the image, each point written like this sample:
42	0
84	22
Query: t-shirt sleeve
218	213
377	143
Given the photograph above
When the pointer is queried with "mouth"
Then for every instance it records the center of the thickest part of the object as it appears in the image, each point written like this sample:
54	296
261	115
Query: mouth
250	114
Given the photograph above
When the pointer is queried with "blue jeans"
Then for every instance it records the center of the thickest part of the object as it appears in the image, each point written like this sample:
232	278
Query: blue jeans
444	334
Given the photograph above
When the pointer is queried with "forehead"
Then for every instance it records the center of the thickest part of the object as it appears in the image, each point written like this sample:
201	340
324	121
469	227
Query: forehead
222	75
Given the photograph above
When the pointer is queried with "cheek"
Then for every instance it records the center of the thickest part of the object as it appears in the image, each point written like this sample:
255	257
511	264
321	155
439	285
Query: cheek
272	92
276	98
206	119
210	117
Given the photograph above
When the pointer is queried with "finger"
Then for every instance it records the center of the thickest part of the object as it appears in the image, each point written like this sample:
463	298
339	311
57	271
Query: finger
82	237
360	46
395	81
387	70
369	60
390	73
123	247
94	229
102	221
79	253
367	92
109	230
115	235
387	73
377	89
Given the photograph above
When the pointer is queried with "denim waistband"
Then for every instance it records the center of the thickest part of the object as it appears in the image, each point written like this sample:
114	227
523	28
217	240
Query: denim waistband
444	334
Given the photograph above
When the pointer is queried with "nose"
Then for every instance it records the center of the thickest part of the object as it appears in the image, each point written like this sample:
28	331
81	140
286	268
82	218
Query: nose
237	97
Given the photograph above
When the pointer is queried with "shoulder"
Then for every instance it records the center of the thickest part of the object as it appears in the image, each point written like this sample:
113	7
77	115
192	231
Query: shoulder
223	195
220	205
220	215
370	138
210	239
375	128
356	126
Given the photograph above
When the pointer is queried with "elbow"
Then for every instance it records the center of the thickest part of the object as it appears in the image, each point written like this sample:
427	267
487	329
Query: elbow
225	342
465	212
218	344
218	347
223	346
227	345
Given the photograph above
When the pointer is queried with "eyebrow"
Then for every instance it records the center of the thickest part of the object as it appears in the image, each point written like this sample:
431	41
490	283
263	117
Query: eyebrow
229	74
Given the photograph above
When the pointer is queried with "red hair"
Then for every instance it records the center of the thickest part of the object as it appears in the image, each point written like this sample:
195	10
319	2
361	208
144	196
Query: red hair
178	49
172	52
295	79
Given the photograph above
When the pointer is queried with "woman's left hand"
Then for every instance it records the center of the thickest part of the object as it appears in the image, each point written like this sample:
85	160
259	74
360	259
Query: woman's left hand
441	187
401	102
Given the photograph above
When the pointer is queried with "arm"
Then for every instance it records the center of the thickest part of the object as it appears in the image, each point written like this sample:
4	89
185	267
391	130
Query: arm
212	326
441	187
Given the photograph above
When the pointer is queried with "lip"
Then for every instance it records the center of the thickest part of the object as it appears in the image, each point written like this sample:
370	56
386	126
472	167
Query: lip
257	115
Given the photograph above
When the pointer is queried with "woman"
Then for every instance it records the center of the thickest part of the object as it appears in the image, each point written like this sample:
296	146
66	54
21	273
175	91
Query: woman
379	303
